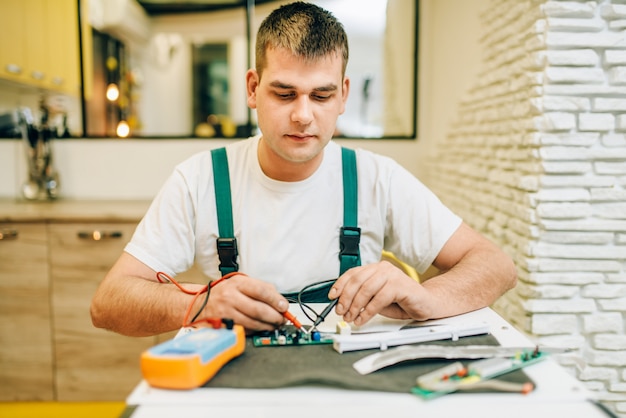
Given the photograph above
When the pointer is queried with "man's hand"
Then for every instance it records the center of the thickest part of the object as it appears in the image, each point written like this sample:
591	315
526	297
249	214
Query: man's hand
132	302
474	273
252	303
379	288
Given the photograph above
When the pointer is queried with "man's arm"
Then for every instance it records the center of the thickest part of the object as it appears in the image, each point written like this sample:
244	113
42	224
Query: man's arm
132	302
474	274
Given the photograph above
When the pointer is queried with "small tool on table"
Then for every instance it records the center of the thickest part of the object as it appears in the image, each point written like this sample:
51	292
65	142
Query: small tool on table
191	360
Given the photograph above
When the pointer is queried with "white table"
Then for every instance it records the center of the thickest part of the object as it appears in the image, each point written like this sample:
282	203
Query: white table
557	394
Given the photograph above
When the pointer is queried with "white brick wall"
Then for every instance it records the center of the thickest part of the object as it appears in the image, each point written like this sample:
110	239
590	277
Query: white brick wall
536	160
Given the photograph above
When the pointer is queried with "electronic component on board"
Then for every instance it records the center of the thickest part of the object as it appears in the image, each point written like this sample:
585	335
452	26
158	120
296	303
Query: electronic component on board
289	336
477	374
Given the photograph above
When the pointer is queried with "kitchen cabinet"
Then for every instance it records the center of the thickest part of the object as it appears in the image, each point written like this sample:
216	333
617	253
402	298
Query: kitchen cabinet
62	52
52	258
26	363
91	364
42	50
12	43
35	32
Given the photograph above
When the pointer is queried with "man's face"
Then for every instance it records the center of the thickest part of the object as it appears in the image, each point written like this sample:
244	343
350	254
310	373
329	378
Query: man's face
297	103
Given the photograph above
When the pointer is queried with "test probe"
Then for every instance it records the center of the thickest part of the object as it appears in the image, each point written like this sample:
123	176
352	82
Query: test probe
322	316
290	317
302	336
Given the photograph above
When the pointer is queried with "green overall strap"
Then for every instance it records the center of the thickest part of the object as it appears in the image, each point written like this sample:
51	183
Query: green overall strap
226	242
350	235
349	254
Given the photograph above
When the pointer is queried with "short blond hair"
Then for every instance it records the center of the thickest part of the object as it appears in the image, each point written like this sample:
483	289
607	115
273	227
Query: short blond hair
305	29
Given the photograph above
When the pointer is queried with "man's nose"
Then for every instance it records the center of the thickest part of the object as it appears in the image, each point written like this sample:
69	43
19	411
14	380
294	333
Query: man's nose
302	111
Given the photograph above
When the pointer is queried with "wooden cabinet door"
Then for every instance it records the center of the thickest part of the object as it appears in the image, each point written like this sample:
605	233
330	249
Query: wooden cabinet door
12	47
91	364
26	372
62	51
35	33
40	44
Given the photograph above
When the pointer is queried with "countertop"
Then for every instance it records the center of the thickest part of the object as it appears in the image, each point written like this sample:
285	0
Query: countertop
67	210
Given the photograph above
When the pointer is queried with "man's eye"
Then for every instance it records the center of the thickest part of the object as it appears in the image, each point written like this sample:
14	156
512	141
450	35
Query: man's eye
321	97
285	95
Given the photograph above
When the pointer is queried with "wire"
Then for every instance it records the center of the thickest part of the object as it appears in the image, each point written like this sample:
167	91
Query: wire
204	303
319	317
165	278
303	306
306	309
322	316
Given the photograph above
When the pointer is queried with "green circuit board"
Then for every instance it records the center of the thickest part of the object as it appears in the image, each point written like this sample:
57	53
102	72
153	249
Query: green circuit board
289	336
477	371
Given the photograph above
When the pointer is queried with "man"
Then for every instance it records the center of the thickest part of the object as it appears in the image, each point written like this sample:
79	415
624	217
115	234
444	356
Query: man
287	190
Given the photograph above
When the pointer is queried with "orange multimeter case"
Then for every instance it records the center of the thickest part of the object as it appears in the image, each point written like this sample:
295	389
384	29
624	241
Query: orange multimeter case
193	359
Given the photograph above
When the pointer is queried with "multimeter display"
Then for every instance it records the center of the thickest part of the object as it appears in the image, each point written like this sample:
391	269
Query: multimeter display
193	359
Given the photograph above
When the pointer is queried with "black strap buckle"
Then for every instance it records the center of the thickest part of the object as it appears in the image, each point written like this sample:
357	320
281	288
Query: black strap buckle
349	240
227	252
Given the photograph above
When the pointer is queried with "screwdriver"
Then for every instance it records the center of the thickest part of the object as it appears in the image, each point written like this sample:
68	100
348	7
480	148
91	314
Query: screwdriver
321	317
290	317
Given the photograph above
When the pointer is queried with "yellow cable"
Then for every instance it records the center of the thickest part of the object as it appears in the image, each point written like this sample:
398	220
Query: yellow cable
410	271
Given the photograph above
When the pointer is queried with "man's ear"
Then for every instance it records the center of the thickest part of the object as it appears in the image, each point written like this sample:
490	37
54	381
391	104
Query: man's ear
252	83
344	93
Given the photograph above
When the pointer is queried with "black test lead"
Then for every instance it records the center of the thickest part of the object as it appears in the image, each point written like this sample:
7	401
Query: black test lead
321	317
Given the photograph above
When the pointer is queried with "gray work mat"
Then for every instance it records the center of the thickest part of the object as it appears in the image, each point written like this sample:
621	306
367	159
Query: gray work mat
321	365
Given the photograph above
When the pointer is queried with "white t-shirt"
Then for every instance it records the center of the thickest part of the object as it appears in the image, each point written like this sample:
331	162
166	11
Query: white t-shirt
288	232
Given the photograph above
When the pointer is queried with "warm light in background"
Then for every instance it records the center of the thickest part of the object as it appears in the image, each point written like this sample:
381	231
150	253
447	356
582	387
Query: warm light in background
113	92
122	129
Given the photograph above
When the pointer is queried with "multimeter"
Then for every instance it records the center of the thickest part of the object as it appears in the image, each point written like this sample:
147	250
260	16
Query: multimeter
192	359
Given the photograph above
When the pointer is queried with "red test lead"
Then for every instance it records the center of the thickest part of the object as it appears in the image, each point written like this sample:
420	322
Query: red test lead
290	317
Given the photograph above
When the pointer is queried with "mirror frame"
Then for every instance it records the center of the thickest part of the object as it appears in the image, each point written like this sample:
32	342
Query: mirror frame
249	6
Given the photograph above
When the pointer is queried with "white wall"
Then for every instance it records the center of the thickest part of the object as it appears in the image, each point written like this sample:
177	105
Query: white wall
132	169
449	61
535	159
